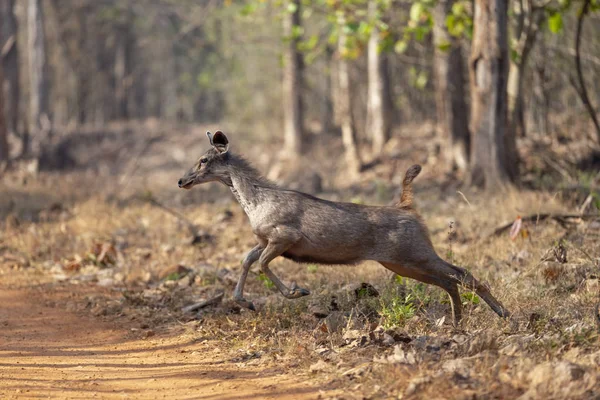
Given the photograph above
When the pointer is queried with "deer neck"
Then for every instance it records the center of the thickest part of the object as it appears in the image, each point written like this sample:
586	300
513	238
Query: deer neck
250	189
247	193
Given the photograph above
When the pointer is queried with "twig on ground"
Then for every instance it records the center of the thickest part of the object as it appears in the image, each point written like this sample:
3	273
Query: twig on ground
465	198
560	218
204	303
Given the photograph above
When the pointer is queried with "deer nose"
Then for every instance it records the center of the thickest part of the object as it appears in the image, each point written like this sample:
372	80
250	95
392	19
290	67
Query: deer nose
180	182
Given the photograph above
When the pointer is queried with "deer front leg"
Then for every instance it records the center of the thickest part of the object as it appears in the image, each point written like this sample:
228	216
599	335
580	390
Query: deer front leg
271	252
238	293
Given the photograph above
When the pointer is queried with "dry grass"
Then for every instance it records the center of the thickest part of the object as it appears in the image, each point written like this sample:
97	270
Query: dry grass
423	356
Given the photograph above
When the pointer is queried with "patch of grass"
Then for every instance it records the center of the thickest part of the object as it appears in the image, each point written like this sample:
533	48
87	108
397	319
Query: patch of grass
469	298
312	268
421	293
398	311
174	276
357	200
266	281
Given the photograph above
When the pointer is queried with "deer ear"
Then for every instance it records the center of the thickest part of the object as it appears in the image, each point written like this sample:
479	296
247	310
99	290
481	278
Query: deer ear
220	142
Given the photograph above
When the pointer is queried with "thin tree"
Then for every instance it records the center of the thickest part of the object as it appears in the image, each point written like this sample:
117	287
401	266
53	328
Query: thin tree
10	63
4	150
582	89
378	116
353	161
38	69
493	154
293	81
451	108
123	60
528	18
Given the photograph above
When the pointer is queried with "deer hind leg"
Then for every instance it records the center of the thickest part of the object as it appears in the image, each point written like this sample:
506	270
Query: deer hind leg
463	277
430	277
238	293
270	252
455	301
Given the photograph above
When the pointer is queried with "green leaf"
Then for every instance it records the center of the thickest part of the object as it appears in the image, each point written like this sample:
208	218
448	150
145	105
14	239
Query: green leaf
364	29
416	10
444	46
387	43
555	22
309	44
292	8
421	81
458	8
351	27
514	56
248	9
420	33
297	31
469	298
174	276
333	38
450	22
401	46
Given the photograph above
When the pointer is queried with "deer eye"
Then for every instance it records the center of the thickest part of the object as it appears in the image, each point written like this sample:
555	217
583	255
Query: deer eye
203	160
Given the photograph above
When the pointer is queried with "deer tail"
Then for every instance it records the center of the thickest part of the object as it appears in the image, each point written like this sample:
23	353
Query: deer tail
406	200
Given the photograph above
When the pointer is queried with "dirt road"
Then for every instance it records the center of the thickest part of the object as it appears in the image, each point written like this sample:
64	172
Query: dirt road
49	352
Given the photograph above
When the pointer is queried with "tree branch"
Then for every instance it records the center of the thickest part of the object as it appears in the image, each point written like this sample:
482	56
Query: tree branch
582	88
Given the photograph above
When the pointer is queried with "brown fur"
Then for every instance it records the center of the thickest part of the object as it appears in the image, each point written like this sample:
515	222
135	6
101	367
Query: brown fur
407	198
305	228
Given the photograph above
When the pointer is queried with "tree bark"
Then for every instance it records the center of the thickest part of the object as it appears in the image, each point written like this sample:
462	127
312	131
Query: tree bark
582	88
328	121
493	155
450	103
353	161
378	125
123	69
528	21
38	69
293	84
10	63
4	150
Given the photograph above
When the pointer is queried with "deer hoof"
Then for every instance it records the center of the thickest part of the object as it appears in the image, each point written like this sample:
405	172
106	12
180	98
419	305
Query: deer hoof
298	292
245	303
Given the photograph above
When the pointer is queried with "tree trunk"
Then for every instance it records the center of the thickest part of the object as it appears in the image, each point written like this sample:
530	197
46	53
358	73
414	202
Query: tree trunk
38	69
293	84
493	153
353	160
541	92
516	117
10	63
83	83
328	122
450	103
4	150
378	126
582	87
528	20
123	69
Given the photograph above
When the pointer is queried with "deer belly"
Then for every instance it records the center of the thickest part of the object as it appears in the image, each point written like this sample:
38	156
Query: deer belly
305	253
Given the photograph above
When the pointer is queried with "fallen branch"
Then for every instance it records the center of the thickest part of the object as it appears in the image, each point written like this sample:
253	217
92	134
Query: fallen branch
204	303
560	218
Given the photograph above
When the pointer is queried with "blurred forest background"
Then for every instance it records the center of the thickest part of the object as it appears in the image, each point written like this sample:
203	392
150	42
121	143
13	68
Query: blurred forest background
484	77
